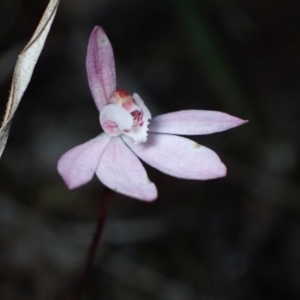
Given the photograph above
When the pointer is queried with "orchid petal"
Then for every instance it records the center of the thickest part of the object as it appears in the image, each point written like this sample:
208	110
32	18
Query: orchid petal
100	67
179	157
194	122
79	164
120	170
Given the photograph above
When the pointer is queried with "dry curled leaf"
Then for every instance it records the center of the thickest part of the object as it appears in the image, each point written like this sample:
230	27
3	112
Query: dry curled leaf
24	69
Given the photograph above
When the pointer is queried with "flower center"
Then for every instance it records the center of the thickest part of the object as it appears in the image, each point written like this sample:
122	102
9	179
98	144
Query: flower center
125	114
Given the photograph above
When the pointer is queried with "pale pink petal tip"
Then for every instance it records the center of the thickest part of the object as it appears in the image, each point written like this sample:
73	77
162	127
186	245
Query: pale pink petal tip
179	157
240	122
194	122
219	170
100	67
78	165
120	170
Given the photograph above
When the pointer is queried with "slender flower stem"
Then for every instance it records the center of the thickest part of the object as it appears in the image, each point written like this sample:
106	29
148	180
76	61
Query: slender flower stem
101	217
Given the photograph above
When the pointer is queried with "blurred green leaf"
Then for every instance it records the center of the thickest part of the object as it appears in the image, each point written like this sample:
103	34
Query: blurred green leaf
211	57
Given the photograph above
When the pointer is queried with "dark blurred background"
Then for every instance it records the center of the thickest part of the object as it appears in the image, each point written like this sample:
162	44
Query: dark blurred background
233	238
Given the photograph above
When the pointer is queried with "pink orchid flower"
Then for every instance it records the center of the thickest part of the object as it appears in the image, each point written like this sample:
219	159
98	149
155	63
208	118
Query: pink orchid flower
129	135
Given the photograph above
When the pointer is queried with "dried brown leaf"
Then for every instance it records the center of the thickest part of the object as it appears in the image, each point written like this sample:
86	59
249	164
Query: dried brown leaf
24	68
